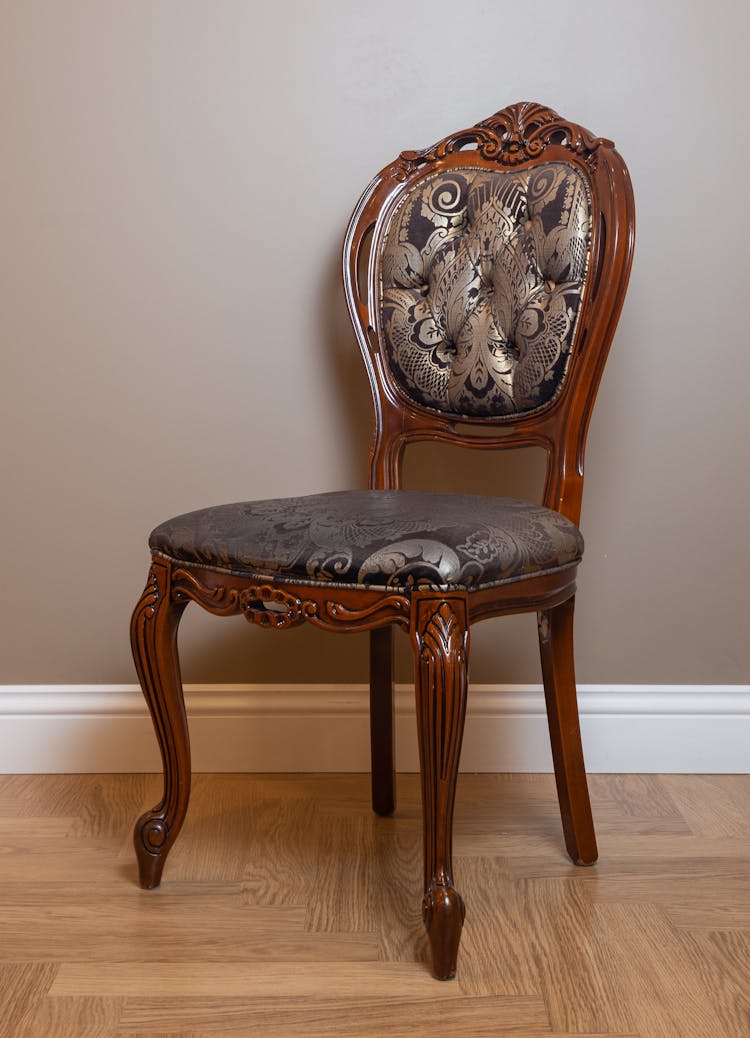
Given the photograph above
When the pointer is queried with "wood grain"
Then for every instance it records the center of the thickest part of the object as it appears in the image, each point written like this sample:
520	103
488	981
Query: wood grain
653	942
394	1018
23	987
717	805
649	958
79	1017
572	959
342	980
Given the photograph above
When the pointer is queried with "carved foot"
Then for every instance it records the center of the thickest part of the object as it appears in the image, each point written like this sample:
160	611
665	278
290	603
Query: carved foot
443	912
152	843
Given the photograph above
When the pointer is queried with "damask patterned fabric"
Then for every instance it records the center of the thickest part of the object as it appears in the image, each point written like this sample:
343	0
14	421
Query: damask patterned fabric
376	538
482	276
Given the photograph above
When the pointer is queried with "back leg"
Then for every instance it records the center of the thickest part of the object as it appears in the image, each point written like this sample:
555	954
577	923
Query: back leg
558	671
381	721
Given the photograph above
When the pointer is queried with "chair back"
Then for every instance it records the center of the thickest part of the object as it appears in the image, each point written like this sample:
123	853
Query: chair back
484	277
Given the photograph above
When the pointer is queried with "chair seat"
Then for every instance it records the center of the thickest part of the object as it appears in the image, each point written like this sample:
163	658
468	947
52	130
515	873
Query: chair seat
376	539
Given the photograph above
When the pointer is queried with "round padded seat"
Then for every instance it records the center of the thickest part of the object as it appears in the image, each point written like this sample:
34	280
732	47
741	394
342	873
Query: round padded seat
376	539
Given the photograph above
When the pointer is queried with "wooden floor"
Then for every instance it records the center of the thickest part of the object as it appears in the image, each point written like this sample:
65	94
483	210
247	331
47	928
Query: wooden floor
272	920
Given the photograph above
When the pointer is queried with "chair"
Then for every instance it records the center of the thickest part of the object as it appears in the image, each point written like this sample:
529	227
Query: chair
484	278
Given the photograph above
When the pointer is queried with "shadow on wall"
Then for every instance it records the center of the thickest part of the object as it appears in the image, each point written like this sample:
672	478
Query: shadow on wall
350	390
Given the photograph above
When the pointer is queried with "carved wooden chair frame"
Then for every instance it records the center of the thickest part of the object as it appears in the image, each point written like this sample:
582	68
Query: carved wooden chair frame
437	622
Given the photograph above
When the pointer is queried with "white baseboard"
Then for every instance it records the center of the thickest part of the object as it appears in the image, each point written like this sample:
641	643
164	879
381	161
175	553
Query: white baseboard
267	728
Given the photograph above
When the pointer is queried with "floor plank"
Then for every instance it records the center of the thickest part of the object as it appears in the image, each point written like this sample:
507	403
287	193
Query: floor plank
573	958
659	974
723	960
712	805
394	1018
23	986
344	980
72	1018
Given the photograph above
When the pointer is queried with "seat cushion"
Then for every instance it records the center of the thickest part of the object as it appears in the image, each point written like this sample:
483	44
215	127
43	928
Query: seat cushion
375	538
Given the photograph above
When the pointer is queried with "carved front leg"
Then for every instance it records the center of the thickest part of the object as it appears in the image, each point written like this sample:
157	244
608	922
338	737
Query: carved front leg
153	637
441	642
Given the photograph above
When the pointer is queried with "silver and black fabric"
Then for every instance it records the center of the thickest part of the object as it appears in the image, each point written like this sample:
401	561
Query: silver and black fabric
482	277
376	539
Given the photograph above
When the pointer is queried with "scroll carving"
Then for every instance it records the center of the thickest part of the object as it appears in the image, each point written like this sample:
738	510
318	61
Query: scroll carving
395	606
146	606
220	600
509	137
273	607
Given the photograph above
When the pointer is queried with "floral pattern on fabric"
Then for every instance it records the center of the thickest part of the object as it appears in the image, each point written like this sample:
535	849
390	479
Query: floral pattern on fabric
376	538
482	275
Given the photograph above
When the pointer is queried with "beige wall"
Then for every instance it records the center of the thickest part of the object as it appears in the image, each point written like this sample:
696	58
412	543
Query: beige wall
175	181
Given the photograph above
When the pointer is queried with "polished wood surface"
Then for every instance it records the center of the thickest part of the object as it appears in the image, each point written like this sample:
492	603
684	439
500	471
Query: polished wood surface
518	137
441	647
268	922
382	721
558	670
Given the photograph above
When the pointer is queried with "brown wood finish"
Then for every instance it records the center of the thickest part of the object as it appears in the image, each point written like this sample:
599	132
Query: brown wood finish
438	623
440	631
556	648
153	638
382	721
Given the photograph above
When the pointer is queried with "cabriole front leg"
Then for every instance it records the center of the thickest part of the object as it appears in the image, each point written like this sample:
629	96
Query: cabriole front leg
153	637
441	642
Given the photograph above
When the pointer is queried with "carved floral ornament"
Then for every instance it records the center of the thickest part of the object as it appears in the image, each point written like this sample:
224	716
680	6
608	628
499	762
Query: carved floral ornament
272	607
511	136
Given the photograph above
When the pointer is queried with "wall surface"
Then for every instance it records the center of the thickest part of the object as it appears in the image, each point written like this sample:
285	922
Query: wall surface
175	182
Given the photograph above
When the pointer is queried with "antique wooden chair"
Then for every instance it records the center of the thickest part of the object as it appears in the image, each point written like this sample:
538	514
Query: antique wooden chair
484	277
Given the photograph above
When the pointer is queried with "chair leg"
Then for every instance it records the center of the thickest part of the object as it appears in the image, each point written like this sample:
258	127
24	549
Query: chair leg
558	670
153	637
381	721
441	643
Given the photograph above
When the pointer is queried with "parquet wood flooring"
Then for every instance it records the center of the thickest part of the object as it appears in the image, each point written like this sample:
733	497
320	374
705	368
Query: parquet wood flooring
288	909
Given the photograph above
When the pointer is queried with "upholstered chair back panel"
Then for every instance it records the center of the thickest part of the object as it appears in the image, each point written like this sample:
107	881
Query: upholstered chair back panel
482	275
